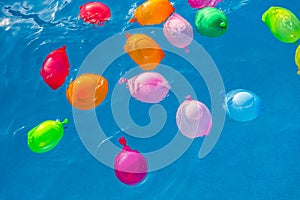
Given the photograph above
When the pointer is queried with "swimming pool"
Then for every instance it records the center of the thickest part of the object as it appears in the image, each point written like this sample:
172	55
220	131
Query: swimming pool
252	160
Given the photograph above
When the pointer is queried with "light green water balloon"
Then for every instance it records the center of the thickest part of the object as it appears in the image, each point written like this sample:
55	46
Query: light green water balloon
297	59
211	22
283	24
46	135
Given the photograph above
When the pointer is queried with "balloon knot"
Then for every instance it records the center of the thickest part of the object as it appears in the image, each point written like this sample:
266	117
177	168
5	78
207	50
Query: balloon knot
127	35
65	121
122	141
188	97
223	24
186	50
122	80
132	20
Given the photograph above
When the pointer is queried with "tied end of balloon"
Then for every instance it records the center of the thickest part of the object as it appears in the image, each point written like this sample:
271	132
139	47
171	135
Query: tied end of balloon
223	25
186	50
298	72
123	80
122	141
132	20
127	35
188	97
65	121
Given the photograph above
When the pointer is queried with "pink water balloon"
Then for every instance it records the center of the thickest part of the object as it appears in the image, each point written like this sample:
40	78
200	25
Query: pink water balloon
148	87
178	31
193	118
130	166
203	3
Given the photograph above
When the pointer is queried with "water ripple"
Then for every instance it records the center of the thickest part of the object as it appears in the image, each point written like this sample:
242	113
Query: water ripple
228	6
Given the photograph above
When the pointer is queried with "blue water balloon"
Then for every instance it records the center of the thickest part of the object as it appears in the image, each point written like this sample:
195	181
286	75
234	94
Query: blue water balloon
242	105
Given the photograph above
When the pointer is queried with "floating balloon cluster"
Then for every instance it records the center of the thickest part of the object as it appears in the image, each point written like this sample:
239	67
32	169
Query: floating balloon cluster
193	118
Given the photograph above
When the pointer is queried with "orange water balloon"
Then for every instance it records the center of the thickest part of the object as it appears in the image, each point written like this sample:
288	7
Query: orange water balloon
87	91
144	51
153	12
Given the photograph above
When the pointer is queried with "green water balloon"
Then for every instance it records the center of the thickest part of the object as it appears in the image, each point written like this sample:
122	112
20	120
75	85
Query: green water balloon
45	136
297	59
211	22
283	24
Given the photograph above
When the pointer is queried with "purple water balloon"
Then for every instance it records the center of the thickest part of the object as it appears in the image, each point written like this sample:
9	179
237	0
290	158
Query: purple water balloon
178	31
148	87
193	118
203	3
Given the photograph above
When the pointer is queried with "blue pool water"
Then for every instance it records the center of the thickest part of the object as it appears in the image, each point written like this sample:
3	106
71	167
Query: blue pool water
252	160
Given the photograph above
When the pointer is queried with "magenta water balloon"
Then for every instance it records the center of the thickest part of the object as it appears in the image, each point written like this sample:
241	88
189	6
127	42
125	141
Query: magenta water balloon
130	166
178	31
203	3
193	119
148	87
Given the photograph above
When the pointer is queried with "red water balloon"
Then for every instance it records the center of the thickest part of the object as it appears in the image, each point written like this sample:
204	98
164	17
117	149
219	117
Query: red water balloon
130	166
56	68
95	13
